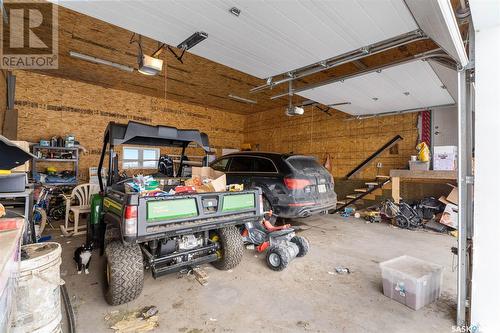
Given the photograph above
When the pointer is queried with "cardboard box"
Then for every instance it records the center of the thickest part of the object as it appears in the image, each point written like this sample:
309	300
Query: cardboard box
445	158
453	196
450	216
218	177
24	145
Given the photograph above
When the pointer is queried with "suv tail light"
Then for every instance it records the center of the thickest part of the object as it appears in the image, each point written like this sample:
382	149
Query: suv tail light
296	183
130	221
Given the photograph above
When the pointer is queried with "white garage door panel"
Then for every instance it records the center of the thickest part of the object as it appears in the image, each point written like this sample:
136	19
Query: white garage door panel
448	76
269	37
437	20
388	88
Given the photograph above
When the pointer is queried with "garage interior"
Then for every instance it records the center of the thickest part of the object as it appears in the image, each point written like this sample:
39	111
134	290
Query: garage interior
355	84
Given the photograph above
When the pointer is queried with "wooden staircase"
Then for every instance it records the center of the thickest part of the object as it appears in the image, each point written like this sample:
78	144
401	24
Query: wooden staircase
374	188
363	196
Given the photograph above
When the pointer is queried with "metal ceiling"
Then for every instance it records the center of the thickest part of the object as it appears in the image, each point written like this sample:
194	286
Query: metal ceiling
268	37
286	40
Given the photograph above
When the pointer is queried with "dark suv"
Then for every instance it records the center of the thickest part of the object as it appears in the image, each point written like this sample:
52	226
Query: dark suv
292	185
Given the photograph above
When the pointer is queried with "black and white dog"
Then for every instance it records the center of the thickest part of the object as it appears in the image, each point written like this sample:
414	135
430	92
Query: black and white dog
82	257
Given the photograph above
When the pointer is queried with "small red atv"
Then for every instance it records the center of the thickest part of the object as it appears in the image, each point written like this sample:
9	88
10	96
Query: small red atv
281	243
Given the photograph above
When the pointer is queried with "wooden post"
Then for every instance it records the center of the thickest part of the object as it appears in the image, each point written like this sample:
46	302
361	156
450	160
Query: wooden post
395	189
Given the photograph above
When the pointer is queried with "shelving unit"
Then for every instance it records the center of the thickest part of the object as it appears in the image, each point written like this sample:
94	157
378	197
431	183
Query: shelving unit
46	152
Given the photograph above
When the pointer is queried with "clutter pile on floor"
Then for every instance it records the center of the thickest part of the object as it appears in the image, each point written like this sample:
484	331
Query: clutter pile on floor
439	215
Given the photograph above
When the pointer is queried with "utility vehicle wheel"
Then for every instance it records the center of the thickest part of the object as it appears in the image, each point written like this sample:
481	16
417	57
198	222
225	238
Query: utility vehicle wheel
231	251
303	245
277	258
266	204
111	234
124	272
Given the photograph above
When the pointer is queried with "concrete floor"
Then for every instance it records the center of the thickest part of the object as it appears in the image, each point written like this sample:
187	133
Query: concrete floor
305	297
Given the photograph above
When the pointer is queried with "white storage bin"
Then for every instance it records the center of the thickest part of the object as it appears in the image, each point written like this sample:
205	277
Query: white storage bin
411	281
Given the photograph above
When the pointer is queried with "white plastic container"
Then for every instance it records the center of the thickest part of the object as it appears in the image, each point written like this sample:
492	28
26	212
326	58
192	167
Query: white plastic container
411	281
38	296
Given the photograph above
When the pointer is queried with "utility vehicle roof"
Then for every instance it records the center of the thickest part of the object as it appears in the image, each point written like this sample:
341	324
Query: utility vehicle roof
135	133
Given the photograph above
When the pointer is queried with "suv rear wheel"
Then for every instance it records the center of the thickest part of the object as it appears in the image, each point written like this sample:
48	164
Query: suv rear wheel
231	251
124	272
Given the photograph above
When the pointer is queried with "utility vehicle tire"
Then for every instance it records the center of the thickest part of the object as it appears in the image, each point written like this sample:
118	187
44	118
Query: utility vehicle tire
266	204
303	245
124	272
111	234
277	258
231	248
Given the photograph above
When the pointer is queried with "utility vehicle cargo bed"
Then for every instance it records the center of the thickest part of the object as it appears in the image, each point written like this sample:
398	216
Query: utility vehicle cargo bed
184	214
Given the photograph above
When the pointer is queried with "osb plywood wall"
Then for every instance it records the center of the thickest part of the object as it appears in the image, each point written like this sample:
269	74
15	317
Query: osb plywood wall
349	142
50	106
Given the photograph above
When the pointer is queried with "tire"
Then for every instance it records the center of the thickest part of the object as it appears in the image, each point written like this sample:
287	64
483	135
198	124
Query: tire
124	272
41	218
111	234
231	251
277	258
303	245
402	222
266	204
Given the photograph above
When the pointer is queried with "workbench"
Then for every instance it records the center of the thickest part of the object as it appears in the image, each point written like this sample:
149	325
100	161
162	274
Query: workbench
22	203
426	175
10	257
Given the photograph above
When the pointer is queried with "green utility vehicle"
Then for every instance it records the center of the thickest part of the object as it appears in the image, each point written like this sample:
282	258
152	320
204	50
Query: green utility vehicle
165	233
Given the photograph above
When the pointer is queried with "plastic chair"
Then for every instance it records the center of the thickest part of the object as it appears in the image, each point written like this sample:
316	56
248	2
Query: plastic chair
82	193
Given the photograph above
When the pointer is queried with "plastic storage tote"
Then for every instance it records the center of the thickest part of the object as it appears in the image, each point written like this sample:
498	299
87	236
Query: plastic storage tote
411	281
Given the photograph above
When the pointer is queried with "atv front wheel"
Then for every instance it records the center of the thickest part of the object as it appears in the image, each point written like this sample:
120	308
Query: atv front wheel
124	272
303	245
231	248
278	258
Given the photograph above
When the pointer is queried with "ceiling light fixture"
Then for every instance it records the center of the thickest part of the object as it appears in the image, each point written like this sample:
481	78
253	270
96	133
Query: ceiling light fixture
192	40
338	104
188	43
100	61
241	99
235	11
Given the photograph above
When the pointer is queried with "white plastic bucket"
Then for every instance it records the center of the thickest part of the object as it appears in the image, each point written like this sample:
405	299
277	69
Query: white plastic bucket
38	300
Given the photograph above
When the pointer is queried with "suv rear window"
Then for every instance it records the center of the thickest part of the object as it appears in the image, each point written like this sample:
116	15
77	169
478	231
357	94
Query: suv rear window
263	165
301	163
